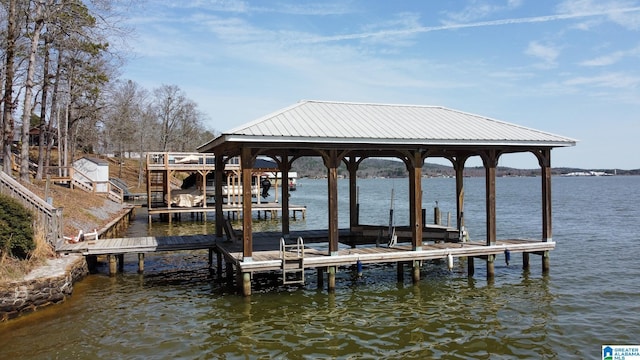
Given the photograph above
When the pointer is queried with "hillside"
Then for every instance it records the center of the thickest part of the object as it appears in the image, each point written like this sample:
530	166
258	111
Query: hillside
314	168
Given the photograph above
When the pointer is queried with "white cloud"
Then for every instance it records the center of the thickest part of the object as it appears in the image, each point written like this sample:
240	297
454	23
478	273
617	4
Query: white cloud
547	53
478	9
623	13
612	58
611	80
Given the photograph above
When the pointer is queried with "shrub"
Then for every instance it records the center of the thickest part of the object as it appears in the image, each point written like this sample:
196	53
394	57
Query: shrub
16	231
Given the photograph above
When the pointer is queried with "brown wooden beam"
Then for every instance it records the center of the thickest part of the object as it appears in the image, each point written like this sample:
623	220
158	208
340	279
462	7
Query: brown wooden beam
219	178
247	161
458	165
332	160
490	160
544	159
352	166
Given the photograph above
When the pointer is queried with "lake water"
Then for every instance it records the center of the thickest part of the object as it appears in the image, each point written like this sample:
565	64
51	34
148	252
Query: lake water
177	310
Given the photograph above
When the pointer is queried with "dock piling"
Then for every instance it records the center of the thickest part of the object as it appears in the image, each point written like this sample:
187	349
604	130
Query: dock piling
140	263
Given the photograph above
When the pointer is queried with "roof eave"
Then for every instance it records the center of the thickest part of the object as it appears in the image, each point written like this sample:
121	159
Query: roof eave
379	141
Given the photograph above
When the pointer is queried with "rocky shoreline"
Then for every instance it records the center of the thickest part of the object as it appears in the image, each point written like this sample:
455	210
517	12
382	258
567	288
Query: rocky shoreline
47	285
53	282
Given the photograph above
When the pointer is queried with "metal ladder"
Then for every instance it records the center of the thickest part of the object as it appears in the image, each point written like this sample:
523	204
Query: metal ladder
292	256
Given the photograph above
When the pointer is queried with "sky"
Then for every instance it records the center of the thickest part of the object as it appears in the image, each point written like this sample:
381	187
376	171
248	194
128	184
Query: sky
568	67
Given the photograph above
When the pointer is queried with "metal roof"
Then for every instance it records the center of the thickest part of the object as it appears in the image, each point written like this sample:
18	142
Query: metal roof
342	122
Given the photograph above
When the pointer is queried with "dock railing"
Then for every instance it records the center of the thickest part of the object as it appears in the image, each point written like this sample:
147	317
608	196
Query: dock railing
45	213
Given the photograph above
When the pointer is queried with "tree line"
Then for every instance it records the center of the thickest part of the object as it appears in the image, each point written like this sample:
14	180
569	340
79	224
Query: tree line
59	80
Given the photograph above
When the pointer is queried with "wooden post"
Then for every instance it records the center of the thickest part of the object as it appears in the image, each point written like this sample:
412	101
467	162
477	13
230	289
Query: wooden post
331	279
416	271
545	166
490	160
321	272
525	260
546	263
247	161
470	266
400	271
113	269
246	284
285	166
352	167
491	272
218	179
458	165
413	162
332	161
121	263
140	263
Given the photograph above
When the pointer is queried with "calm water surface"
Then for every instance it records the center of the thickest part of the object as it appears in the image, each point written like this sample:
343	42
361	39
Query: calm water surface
178	310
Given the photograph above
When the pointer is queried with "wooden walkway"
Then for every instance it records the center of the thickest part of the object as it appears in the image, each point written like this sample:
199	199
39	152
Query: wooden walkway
266	255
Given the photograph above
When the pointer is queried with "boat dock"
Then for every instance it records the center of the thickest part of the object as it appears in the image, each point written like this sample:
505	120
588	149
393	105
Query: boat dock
308	253
263	210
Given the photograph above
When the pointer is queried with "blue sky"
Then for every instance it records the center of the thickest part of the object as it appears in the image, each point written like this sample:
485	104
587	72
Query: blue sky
568	67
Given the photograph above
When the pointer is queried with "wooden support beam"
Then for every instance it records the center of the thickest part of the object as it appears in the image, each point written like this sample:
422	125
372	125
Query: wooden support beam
470	266
490	160
546	262
140	263
321	271
416	271
332	161
458	165
491	270
525	260
352	166
400	271
285	166
218	179
246	284
121	263
247	161
331	278
113	266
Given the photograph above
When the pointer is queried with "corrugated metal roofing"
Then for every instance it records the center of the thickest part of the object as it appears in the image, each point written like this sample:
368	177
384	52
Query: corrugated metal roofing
321	121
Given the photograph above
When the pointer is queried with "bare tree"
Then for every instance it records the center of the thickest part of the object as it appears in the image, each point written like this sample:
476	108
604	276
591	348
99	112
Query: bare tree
7	99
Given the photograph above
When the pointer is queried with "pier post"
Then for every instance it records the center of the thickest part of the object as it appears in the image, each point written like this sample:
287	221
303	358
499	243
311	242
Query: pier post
121	262
246	283
525	261
321	271
140	263
416	271
491	272
210	258
400	271
331	279
546	262
112	265
471	269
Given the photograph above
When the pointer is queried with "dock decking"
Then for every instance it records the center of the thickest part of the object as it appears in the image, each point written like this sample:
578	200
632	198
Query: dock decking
267	256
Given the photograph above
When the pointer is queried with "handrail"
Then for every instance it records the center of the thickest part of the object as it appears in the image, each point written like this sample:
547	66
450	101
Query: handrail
166	160
46	213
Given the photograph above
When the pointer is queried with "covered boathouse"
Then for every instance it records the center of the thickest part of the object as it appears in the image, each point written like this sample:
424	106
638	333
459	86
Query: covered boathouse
341	132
